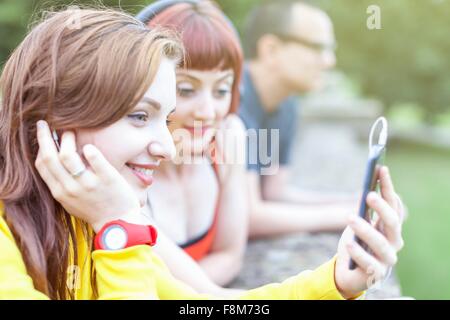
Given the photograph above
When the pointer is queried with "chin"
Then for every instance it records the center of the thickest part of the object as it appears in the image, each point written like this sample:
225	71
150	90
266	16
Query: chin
140	192
198	148
142	196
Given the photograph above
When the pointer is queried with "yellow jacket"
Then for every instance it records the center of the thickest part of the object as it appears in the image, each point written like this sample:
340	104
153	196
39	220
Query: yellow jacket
138	273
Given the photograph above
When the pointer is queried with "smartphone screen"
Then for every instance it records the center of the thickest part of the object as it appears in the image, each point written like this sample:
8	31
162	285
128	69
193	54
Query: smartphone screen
374	164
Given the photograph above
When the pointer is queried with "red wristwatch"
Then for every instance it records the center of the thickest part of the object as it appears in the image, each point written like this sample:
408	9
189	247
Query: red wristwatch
119	234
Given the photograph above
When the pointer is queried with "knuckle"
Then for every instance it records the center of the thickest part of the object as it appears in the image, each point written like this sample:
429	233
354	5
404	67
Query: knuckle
90	186
64	156
368	232
71	190
46	159
385	249
392	222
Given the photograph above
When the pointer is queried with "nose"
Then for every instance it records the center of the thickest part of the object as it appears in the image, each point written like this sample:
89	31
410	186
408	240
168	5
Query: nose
205	108
163	147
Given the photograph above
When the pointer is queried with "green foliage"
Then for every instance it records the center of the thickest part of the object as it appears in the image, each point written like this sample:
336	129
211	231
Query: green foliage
422	177
17	15
13	19
404	62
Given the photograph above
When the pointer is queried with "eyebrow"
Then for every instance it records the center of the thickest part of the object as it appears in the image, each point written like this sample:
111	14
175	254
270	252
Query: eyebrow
155	104
229	74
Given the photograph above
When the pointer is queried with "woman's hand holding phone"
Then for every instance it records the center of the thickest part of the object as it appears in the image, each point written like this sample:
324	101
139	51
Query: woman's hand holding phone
383	238
95	194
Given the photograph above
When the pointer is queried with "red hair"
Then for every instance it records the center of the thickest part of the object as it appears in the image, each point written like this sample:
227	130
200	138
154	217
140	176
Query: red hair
210	40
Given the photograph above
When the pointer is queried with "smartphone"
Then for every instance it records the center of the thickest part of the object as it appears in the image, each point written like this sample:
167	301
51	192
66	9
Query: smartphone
56	139
374	163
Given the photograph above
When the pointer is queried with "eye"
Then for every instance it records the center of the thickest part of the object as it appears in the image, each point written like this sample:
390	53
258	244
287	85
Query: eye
185	89
222	92
139	118
185	92
169	118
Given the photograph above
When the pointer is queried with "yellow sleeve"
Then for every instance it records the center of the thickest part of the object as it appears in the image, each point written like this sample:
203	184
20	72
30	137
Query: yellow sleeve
15	283
125	274
137	273
308	285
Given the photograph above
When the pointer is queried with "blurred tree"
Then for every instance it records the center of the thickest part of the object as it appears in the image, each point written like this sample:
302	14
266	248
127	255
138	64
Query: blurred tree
13	19
407	60
404	61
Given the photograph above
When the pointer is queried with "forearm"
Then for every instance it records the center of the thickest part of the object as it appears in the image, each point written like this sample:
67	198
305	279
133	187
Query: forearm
279	190
187	270
317	284
275	218
293	194
221	267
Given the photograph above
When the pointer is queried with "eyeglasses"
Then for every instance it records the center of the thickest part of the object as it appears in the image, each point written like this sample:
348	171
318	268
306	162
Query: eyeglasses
316	46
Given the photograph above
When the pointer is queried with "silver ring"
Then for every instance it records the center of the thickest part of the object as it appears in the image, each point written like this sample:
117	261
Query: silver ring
78	173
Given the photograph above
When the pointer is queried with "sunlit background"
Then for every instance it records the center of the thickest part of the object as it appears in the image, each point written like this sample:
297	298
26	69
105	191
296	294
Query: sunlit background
403	70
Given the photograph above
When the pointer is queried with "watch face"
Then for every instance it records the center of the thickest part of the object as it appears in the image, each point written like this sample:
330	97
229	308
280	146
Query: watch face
115	238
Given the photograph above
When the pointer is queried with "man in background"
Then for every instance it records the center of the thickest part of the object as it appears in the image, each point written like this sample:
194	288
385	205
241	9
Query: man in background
289	46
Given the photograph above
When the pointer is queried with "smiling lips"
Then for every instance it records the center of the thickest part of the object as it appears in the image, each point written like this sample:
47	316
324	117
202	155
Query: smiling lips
144	172
198	130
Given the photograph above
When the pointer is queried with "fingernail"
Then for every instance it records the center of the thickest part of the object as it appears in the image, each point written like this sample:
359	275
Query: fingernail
41	124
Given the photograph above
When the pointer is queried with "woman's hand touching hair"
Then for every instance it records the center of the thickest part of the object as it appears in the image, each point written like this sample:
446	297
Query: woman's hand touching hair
95	194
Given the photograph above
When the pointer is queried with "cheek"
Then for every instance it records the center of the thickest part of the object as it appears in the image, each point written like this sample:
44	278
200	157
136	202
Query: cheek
110	144
223	108
182	113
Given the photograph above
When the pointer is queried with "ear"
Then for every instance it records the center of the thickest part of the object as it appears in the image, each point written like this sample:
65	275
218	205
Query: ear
268	47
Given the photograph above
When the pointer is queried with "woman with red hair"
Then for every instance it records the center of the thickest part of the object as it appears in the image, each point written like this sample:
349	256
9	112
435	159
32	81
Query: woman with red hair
203	233
200	206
